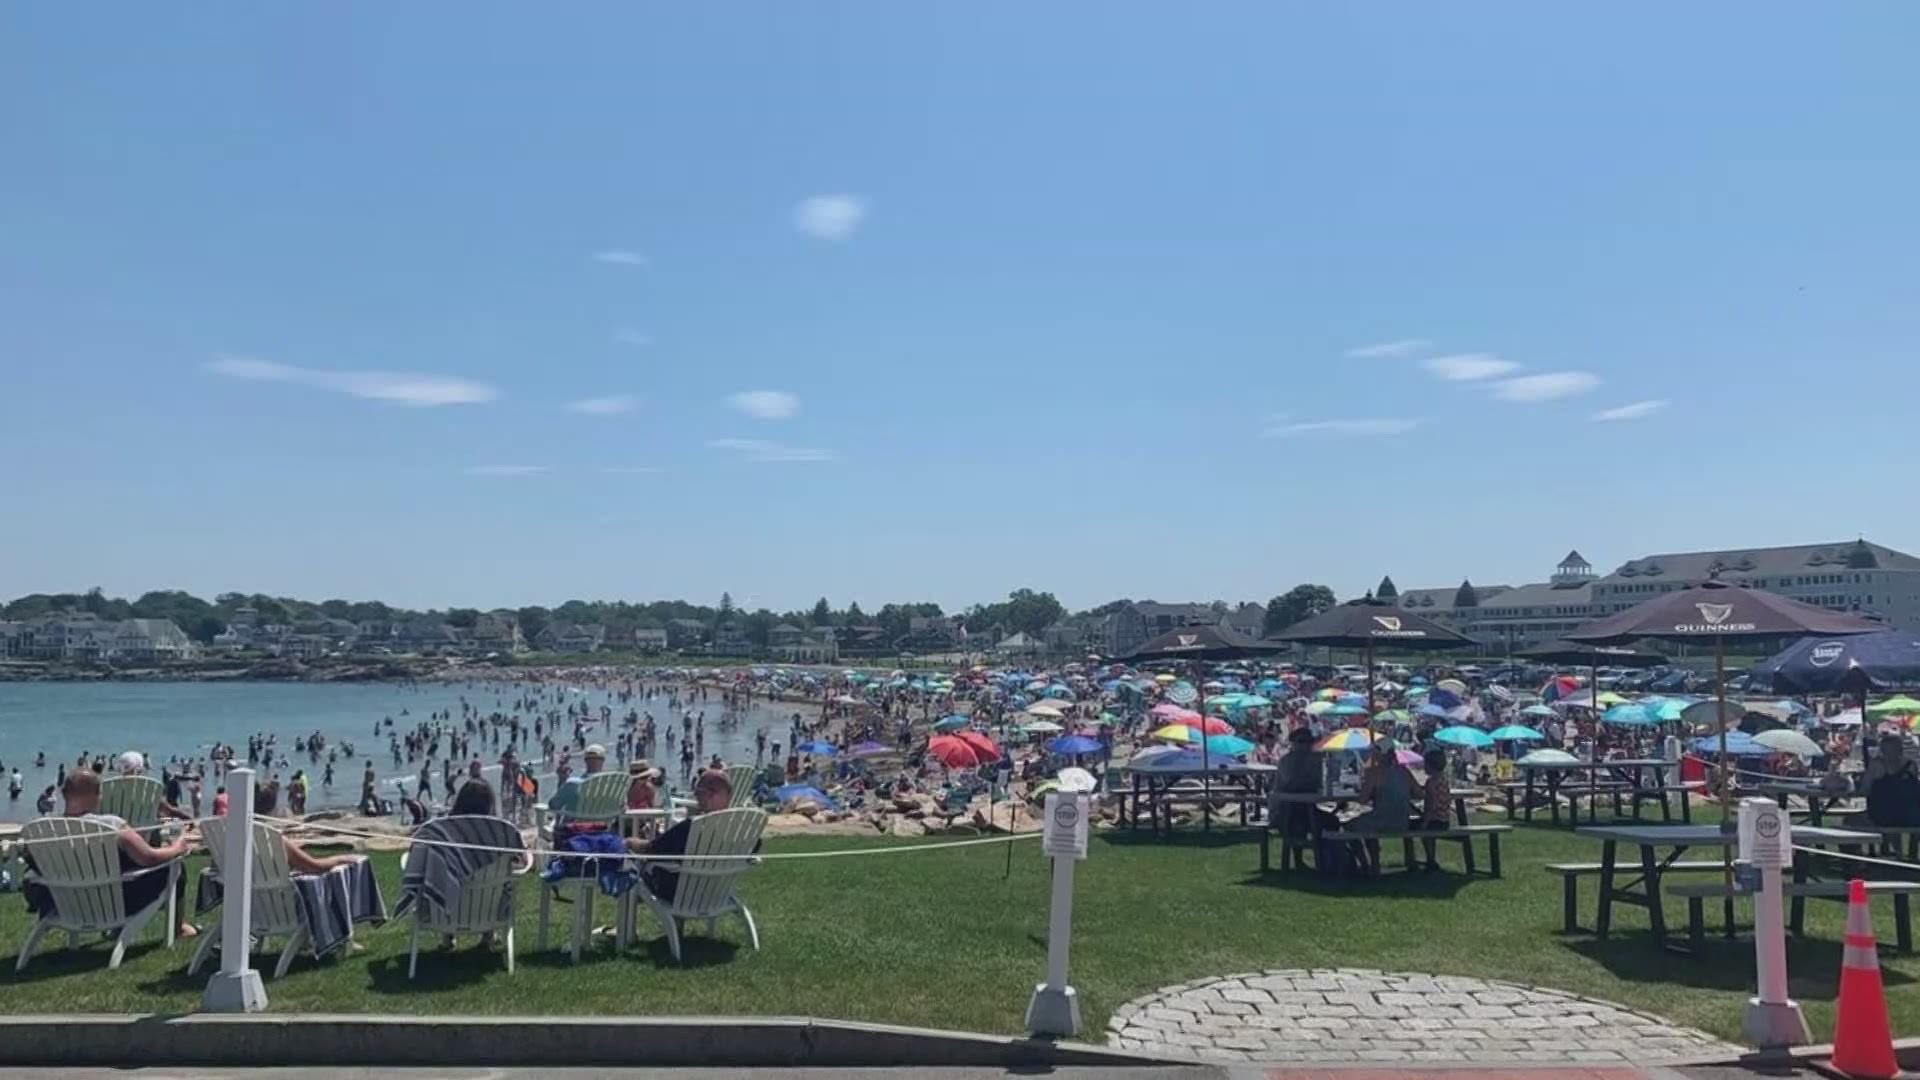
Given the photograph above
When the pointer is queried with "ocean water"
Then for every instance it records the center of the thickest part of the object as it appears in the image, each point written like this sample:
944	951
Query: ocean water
166	720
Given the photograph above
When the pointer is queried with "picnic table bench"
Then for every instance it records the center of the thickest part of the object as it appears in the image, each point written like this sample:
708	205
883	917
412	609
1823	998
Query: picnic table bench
1153	793
1640	780
1571	873
1898	841
1464	835
1697	894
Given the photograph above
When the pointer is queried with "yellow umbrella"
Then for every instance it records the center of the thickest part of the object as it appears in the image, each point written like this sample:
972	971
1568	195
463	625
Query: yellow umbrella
1610	698
1163	679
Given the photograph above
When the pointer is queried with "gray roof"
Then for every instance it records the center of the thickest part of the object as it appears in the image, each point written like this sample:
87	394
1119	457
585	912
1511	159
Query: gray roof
1762	562
1442	599
1148	609
1539	594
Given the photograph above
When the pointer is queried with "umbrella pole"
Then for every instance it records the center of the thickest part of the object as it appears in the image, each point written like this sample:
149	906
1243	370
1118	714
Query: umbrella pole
1369	683
1593	774
1206	771
1720	695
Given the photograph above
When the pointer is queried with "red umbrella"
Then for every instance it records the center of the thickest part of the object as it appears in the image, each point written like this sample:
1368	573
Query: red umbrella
983	747
952	752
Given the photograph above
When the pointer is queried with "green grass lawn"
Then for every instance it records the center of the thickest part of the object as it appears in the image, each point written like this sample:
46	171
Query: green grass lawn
948	939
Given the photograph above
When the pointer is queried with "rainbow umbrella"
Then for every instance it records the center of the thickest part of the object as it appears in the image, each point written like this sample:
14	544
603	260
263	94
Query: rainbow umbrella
1346	739
1326	693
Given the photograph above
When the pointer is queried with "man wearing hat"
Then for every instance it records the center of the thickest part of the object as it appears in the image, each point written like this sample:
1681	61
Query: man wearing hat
568	796
643	791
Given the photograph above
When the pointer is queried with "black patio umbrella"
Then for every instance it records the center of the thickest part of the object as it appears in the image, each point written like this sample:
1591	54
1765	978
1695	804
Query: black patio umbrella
1718	610
1201	645
1367	622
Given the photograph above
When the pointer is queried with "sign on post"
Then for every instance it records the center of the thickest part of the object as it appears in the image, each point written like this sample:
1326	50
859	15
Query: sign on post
1055	1008
1774	1020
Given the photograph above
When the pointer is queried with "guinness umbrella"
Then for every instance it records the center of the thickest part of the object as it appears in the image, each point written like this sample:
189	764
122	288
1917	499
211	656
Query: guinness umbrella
1199	645
1364	623
1717	610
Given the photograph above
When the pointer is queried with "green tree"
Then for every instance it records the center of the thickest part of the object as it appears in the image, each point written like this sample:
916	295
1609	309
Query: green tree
726	606
533	620
822	612
855	617
465	618
1299	602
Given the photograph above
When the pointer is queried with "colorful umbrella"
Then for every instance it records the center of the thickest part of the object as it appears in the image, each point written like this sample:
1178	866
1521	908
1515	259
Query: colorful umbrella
983	748
1894	706
1628	715
1347	739
823	749
1320	708
1515	733
1544	712
1075	744
948	750
1344	709
1394	716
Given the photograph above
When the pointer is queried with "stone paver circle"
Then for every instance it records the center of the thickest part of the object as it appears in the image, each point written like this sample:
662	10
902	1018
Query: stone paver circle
1360	1016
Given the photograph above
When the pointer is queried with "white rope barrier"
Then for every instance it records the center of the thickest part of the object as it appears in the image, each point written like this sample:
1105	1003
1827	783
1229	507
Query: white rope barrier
1911	868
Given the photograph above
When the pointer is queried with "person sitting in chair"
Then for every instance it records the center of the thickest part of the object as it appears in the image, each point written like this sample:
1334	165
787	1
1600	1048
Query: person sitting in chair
711	792
81	792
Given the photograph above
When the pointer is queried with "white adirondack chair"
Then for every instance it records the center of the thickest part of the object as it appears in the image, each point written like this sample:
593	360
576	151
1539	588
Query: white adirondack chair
133	799
276	906
603	798
741	778
707	888
477	908
78	861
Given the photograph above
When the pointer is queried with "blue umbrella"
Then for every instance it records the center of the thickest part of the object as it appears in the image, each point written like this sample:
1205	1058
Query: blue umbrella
1629	715
1345	709
1430	709
1515	733
1076	744
1444	698
1352	699
824	749
1229	745
1469	738
951	723
1739	744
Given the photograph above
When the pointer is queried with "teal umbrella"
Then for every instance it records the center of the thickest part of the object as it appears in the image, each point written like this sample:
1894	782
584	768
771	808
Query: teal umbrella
1515	733
1228	745
1464	737
1630	714
1544	712
952	723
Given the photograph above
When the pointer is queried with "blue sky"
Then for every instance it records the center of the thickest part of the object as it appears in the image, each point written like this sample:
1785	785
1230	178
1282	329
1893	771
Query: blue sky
487	304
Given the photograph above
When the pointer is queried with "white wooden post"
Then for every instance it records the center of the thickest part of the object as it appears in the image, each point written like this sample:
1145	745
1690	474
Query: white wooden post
1774	1021
236	987
1054	1008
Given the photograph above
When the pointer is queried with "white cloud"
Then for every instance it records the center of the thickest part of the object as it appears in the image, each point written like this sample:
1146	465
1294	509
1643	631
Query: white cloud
1637	410
620	258
763	450
829	217
627	335
765	404
1546	387
1467	367
506	470
1388	350
401	387
1343	427
608	405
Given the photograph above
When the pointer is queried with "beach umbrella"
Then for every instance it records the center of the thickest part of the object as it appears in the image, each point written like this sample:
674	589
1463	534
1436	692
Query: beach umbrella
1734	744
1790	742
1628	715
948	750
1464	737
1182	694
1712	715
1149	754
818	747
1408	758
1394	716
1175	714
952	723
1544	712
1346	740
1163	679
1452	686
1075	744
1319	708
1559	687
1367	623
1326	693
1549	757
1417	691
1883	660
1432	710
1444	698
1045	708
1106	719
1609	698
1075	779
1255	701
1894	706
1347	710
1515	733
1041	727
1665	710
804	791
1849	718
983	748
1229	745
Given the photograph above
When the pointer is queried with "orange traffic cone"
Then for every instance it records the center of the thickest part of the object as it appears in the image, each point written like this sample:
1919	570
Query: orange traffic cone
1862	1035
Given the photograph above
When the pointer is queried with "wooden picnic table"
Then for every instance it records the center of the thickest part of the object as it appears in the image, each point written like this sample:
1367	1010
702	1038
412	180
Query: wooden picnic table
1244	784
1625	776
1644	891
1818	803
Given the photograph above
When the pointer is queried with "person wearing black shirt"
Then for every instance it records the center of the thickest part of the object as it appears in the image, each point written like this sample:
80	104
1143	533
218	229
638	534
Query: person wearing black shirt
711	792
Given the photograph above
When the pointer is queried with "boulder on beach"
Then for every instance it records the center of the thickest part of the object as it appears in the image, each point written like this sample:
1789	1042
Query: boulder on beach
780	822
905	827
